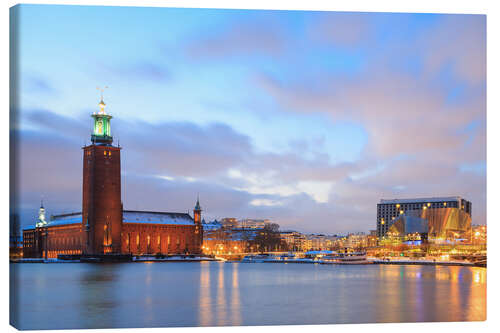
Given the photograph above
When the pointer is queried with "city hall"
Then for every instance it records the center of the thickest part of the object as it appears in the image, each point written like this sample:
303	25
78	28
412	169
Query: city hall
103	227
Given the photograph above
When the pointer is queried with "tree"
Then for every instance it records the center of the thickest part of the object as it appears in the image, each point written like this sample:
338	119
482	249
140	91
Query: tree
268	238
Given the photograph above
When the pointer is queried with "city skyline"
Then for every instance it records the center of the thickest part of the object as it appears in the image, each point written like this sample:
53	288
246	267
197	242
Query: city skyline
305	118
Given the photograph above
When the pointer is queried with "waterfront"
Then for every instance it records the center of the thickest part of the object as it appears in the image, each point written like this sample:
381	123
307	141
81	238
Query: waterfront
75	295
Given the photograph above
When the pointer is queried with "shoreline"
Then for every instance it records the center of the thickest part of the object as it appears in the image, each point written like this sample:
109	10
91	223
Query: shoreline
207	259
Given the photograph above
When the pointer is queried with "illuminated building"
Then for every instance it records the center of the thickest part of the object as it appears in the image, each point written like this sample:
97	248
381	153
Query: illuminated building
253	223
103	227
479	234
389	210
437	219
294	240
229	222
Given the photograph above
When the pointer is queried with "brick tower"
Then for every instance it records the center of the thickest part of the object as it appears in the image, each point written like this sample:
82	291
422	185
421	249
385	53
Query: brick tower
101	199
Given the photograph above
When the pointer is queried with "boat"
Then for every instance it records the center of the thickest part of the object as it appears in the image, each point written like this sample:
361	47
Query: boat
346	257
255	258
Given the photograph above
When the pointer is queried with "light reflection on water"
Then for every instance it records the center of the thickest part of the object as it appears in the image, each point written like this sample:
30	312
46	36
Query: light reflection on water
214	294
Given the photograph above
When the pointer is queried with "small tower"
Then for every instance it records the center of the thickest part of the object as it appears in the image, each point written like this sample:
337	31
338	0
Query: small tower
41	216
197	211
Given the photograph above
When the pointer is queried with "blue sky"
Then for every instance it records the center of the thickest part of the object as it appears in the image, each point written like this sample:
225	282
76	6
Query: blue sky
307	118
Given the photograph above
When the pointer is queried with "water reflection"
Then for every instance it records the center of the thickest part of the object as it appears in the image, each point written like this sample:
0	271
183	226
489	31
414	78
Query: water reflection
205	305
221	297
235	297
97	296
212	294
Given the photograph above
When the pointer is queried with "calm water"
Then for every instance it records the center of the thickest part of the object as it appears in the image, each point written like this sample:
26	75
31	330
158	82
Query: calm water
51	296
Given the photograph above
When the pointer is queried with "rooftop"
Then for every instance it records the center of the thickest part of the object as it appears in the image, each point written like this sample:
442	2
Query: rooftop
131	216
419	200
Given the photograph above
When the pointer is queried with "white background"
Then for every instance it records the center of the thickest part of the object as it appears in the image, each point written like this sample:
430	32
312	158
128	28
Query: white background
416	6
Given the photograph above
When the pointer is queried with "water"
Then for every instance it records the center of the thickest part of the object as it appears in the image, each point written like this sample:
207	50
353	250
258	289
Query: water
57	296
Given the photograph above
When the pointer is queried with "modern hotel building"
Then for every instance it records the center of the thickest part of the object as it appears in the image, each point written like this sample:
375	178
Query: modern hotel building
441	215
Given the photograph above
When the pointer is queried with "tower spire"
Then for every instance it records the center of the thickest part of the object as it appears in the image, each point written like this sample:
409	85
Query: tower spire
102	123
41	215
102	105
197	207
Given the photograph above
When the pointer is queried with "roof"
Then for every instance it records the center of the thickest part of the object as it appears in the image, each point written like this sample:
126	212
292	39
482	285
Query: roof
135	216
64	219
131	216
419	200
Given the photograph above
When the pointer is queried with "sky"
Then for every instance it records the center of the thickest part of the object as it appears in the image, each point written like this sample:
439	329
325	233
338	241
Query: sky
305	118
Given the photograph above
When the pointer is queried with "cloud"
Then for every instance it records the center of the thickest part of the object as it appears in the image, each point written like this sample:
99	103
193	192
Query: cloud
240	39
460	40
417	140
165	165
342	29
419	144
36	84
140	70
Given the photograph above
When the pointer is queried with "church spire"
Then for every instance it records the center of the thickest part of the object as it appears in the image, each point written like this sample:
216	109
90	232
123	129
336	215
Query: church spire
197	211
197	206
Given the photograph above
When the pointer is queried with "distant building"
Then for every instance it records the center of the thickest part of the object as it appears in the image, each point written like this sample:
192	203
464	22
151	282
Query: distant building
253	223
440	218
103	227
320	242
211	226
294	240
229	222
